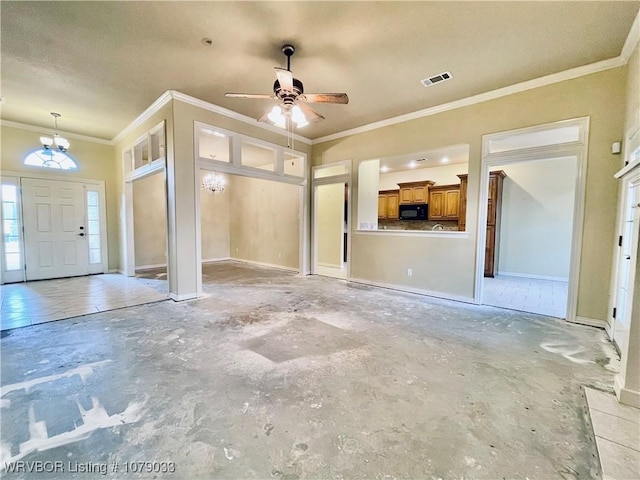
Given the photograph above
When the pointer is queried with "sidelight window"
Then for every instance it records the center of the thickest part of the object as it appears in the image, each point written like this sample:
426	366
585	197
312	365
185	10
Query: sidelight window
93	226
11	228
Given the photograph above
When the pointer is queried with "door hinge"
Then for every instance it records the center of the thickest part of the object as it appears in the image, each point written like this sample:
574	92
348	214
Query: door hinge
620	241
614	312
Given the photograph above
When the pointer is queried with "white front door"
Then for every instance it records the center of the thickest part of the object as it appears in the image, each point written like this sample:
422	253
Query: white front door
626	262
55	232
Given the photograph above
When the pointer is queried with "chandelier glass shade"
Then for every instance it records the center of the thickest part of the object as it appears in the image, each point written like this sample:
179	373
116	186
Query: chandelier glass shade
213	183
57	142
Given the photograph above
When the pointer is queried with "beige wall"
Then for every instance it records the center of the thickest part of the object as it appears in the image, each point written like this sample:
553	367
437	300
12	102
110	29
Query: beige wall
96	162
264	221
446	265
537	218
150	221
214	222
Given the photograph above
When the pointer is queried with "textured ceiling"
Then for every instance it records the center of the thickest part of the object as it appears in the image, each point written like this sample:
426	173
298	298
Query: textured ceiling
101	64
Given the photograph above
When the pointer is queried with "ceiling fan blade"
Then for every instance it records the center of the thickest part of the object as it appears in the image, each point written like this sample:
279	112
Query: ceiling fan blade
325	98
249	95
285	78
309	114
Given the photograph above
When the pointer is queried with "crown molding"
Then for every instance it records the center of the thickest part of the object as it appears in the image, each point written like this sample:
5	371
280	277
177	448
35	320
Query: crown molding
181	97
482	97
632	39
50	131
184	98
160	102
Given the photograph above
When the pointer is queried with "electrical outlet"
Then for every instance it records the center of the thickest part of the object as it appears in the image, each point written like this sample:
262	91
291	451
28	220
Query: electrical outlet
279	254
409	272
236	249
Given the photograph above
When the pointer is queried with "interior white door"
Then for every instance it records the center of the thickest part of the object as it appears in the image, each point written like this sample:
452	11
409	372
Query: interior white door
55	233
626	264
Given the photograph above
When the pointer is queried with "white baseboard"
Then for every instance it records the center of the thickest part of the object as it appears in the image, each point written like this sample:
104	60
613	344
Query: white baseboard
419	291
591	322
181	298
625	396
530	275
148	267
329	265
219	259
264	264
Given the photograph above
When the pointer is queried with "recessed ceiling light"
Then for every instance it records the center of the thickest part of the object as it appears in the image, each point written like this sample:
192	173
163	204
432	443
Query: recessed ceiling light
206	41
445	160
384	169
412	164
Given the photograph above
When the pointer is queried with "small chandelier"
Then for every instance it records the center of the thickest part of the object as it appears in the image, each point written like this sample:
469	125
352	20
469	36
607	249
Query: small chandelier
213	183
57	142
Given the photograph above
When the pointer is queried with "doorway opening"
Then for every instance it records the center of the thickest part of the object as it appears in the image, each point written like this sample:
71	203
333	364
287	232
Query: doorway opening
627	259
528	241
252	220
532	182
149	203
331	219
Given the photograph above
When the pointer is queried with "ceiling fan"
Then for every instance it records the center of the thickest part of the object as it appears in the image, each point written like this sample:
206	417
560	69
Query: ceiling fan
293	101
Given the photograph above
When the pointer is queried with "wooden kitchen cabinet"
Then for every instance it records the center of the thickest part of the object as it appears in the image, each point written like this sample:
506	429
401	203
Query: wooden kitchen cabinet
462	208
494	203
444	202
414	192
388	204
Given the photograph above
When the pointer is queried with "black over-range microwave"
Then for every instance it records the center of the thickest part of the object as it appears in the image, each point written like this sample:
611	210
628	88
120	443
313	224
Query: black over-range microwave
414	211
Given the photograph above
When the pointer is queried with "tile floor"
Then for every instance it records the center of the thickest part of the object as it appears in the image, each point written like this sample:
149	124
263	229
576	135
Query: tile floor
43	301
617	431
544	297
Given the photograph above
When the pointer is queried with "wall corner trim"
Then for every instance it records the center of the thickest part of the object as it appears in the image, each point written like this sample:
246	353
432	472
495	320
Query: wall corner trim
625	396
181	298
50	131
417	291
160	102
181	97
590	322
632	40
169	95
483	97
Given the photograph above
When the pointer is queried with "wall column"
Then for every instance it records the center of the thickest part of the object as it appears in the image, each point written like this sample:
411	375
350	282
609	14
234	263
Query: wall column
181	211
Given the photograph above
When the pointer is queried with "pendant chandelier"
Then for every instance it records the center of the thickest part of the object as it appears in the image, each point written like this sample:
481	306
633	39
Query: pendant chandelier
57	142
213	183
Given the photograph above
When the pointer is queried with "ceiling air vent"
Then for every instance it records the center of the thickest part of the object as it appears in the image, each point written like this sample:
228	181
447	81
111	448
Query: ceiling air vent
427	82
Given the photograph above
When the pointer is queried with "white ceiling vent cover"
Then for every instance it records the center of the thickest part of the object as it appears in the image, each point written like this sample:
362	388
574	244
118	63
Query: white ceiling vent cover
442	77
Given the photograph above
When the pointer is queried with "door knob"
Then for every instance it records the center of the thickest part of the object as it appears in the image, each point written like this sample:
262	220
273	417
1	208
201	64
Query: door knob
81	234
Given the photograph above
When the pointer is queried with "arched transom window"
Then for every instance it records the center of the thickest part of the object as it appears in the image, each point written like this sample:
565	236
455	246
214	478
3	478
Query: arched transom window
49	158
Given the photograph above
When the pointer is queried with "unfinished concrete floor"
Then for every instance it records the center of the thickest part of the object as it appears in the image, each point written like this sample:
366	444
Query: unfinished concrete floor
271	375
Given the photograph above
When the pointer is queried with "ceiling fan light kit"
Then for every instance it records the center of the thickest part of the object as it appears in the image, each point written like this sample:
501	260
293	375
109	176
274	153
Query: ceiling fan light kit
292	109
